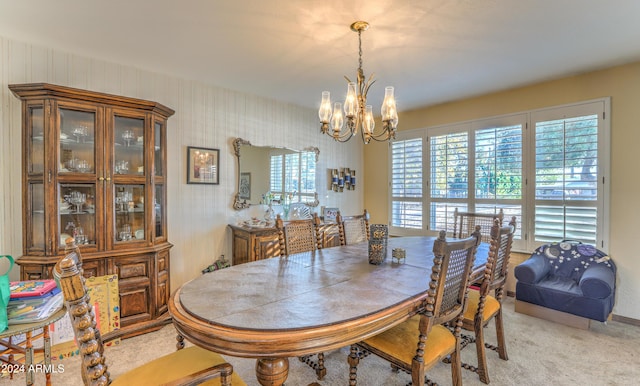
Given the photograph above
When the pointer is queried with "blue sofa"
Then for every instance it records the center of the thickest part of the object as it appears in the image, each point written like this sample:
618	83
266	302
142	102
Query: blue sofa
570	277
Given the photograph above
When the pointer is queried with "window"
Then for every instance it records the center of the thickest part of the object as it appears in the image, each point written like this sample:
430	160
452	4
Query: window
546	167
294	174
406	183
476	167
568	195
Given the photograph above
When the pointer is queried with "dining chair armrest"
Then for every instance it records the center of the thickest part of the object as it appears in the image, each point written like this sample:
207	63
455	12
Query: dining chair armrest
597	282
533	269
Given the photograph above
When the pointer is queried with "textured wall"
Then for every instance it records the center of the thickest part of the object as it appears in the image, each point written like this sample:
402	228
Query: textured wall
205	116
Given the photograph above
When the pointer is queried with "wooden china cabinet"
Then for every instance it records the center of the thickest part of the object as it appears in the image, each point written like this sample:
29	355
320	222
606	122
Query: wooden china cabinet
94	167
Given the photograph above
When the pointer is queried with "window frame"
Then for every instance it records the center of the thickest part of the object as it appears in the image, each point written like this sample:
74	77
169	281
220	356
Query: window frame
304	174
526	223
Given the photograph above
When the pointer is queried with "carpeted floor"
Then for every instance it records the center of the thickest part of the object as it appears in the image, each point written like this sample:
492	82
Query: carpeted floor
540	353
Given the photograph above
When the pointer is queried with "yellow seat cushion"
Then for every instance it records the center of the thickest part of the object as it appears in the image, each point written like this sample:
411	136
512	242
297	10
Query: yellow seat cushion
401	342
491	306
173	366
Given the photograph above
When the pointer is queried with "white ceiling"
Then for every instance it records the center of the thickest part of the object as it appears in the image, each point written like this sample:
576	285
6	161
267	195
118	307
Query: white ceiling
432	51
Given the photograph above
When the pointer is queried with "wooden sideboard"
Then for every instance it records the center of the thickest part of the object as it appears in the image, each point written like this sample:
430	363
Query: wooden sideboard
253	243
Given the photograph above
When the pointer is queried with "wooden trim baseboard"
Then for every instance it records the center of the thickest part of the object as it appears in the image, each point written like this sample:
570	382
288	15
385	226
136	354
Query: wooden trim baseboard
625	320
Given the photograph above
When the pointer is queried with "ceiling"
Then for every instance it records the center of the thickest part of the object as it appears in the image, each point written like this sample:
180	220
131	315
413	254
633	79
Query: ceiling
432	51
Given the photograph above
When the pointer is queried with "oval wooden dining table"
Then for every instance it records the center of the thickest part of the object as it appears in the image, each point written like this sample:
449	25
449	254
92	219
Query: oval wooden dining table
305	303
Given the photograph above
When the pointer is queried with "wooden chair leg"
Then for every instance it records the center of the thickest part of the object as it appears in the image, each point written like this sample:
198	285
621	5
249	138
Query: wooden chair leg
456	367
321	371
353	360
502	347
481	353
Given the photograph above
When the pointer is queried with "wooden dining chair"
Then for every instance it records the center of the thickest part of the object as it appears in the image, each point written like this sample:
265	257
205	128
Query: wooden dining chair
422	341
482	306
353	229
464	223
298	235
188	366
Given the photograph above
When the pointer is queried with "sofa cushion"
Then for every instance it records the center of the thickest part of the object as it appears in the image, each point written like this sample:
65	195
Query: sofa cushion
597	282
533	269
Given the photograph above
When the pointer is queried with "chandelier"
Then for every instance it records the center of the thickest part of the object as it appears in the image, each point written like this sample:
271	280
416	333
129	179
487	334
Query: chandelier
358	114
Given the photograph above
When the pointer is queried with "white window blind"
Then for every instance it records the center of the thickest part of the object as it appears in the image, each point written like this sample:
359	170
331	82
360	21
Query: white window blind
294	175
449	156
276	175
566	179
406	183
499	171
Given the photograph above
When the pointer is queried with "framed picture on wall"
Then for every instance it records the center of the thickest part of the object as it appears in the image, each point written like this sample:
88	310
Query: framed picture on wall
203	165
245	186
330	214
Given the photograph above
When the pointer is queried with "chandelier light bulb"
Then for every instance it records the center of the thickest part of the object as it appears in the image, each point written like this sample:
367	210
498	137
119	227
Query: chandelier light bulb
369	123
351	102
337	120
325	107
388	109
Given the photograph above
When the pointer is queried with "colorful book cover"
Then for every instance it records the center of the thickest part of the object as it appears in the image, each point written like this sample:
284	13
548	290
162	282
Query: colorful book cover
27	288
105	299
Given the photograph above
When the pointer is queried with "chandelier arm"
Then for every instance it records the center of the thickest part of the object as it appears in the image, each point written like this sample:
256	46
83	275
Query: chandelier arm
369	83
343	138
378	138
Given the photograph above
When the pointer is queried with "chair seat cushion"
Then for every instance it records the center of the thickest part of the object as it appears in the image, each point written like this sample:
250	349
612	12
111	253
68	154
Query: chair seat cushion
401	342
173	366
491	306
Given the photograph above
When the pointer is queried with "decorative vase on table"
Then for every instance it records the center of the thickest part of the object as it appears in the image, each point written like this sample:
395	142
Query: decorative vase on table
378	234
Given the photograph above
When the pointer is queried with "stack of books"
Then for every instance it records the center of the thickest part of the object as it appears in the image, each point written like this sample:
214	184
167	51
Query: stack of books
33	301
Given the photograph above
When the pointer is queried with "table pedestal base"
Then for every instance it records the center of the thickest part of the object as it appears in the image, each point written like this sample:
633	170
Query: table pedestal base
272	371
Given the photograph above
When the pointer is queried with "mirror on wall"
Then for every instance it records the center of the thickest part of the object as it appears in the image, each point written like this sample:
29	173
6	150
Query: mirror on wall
276	174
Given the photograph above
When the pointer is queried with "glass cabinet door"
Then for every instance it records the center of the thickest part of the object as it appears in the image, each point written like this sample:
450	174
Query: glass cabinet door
36	197
36	150
158	215
77	214
158	153
77	141
36	233
128	140
129	213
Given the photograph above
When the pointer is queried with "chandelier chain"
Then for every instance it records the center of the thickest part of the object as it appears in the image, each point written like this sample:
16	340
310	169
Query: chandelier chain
360	49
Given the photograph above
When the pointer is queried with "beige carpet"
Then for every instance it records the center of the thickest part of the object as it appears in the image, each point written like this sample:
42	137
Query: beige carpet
540	353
